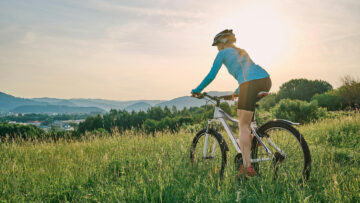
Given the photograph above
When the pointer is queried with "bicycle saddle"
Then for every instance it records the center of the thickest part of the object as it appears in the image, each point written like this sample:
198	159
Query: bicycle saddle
262	94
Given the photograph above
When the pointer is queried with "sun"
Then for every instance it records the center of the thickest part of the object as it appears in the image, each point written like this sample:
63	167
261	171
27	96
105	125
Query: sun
261	30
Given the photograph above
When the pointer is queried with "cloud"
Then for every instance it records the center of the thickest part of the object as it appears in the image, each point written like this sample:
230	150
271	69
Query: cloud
29	38
121	43
145	11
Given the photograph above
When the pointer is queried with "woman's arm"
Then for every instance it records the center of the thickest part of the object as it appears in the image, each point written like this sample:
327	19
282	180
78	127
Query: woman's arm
211	75
237	90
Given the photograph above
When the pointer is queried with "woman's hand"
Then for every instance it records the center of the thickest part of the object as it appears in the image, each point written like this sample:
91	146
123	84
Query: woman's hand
197	95
233	96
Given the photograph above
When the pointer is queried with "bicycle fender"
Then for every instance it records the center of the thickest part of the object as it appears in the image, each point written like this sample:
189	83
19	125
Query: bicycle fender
283	121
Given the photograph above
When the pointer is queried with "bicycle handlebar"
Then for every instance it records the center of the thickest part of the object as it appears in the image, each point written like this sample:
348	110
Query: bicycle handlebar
215	98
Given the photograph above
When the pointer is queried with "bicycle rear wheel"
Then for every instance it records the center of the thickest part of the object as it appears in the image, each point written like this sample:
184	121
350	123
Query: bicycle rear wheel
291	155
210	160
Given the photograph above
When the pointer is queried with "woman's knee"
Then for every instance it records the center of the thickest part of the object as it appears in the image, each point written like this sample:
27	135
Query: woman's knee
244	127
245	131
244	117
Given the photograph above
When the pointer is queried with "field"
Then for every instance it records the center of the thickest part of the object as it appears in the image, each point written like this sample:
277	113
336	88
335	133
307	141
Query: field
143	168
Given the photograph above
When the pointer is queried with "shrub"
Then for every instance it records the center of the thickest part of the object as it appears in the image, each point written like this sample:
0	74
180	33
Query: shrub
91	123
350	92
298	111
26	132
268	102
263	116
226	107
150	126
330	100
302	89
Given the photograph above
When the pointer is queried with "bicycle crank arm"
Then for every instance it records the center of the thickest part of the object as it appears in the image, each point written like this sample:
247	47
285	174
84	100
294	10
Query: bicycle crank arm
260	160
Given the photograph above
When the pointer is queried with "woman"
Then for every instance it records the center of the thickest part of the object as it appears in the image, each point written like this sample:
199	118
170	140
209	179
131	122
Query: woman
252	79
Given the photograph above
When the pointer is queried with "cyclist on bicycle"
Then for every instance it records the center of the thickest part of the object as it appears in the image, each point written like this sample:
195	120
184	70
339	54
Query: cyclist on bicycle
252	79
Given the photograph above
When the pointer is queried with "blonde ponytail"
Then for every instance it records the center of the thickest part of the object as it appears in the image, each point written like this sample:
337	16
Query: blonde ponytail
241	52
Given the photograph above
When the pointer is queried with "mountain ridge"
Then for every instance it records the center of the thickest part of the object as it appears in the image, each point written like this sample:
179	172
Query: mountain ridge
9	103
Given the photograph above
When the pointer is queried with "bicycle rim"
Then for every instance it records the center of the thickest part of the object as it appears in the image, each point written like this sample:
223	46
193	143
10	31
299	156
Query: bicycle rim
292	163
213	163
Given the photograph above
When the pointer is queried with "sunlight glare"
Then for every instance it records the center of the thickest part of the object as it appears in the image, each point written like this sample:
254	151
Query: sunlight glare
261	30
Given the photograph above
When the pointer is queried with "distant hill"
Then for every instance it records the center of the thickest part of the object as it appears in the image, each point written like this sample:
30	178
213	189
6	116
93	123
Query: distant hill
53	101
182	102
187	101
140	106
111	104
100	103
50	109
10	103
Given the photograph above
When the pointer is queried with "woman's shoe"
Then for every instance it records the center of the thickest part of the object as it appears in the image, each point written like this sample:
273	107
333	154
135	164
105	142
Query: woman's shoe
250	172
241	172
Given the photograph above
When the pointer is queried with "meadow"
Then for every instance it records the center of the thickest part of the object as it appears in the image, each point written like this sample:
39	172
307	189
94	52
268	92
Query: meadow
143	168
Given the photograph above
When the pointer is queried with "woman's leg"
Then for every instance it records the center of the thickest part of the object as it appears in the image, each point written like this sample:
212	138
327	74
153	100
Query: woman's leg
246	106
245	135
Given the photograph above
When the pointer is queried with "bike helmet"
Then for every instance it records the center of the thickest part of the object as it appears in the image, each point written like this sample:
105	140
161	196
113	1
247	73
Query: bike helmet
224	37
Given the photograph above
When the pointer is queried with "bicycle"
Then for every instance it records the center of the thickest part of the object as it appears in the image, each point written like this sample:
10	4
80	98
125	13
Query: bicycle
273	143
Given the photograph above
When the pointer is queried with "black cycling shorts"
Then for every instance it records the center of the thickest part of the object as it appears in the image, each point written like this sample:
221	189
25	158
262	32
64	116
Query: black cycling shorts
248	92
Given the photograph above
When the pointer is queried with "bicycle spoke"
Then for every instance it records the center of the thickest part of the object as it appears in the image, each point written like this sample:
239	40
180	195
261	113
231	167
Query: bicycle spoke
206	155
289	154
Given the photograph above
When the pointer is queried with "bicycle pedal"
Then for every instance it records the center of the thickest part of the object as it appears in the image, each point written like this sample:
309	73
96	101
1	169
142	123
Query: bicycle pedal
258	141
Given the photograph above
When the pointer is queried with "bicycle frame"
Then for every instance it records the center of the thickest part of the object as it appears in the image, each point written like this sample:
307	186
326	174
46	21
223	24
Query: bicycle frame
220	115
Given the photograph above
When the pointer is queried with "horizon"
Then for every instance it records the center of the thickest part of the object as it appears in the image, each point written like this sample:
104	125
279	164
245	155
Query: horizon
18	96
160	50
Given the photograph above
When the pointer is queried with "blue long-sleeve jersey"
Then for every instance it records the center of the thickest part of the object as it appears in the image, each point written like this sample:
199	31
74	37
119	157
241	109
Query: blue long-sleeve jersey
240	66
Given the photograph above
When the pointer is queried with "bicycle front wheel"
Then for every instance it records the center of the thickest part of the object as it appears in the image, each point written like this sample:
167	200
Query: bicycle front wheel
208	153
291	159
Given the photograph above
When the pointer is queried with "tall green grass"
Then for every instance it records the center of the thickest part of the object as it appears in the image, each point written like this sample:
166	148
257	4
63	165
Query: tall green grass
142	168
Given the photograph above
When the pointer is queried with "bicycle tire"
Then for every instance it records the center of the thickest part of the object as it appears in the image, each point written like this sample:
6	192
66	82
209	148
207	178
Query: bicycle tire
196	152
280	132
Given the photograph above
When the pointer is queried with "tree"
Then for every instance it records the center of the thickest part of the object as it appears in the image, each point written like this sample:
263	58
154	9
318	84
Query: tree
138	119
20	131
302	89
226	107
331	100
298	111
155	113
109	120
167	112
91	123
268	101
123	121
350	91
174	109
150	126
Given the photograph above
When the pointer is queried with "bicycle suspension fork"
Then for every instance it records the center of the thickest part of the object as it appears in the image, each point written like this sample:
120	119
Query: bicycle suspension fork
207	142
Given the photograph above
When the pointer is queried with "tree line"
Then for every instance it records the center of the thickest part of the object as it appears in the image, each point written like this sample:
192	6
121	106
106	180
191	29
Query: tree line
303	100
298	100
153	120
345	97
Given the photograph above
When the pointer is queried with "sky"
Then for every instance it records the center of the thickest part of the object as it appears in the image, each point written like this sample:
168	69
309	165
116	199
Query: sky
161	49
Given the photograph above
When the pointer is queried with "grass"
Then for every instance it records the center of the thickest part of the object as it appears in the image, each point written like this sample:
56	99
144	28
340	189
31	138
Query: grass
130	168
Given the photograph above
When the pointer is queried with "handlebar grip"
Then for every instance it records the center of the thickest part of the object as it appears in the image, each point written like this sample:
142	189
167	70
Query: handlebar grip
198	95
228	97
